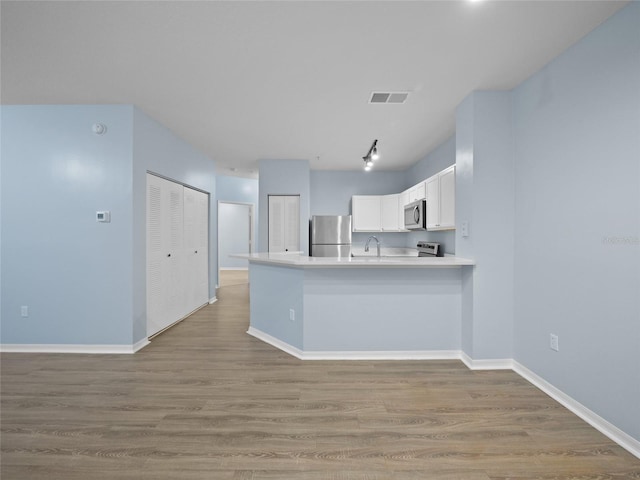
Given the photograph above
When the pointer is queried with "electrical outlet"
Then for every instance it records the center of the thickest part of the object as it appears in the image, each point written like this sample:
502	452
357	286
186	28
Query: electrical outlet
553	342
24	311
292	315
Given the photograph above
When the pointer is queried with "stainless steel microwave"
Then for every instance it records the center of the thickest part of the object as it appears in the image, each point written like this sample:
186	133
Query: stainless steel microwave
415	215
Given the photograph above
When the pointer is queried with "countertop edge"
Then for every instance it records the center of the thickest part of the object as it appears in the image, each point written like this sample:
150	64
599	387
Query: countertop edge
299	261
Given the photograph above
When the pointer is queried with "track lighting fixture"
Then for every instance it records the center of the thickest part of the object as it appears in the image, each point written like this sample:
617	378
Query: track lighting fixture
371	155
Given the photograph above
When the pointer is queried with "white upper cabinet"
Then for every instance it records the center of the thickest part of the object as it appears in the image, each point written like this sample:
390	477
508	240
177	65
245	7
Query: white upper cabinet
390	220
441	200
433	202
417	192
385	213
448	198
367	213
402	201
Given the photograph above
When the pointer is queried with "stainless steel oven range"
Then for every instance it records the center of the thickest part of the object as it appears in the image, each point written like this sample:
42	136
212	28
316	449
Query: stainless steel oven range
429	249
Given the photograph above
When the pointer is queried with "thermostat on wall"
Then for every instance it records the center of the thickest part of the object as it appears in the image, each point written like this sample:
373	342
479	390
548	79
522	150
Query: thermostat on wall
104	217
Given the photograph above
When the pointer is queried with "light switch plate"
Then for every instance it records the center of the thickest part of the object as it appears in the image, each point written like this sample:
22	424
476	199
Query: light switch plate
465	228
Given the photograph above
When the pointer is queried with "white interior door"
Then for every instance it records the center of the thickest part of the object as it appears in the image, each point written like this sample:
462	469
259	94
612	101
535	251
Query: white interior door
291	223
196	234
177	252
165	300
284	223
157	262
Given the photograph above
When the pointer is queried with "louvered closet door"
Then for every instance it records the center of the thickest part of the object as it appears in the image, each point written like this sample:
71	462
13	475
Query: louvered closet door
166	296
291	223
196	234
158	262
284	223
276	223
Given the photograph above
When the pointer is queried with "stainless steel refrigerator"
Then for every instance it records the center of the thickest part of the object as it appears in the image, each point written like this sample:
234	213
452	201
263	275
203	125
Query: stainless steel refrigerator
331	236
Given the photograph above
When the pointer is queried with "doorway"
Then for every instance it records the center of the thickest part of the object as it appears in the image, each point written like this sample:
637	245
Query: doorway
235	235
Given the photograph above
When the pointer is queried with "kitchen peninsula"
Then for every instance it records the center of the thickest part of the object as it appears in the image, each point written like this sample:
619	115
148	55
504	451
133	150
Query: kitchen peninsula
330	308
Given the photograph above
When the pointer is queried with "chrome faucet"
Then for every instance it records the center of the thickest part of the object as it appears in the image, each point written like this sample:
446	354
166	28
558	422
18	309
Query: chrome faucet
366	245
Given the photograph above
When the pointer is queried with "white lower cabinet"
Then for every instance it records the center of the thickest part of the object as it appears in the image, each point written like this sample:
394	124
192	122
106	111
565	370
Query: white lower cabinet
177	252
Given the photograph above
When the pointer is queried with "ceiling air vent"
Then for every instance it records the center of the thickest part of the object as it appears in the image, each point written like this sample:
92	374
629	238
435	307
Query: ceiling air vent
388	97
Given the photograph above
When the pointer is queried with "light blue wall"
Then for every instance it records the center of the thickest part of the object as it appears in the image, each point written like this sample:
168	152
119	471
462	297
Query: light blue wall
84	282
284	177
241	190
233	234
331	193
577	257
442	157
353	309
73	273
156	149
485	199
274	291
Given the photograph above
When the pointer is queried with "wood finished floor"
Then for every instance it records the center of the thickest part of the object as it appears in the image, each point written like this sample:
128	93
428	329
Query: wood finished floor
207	401
233	277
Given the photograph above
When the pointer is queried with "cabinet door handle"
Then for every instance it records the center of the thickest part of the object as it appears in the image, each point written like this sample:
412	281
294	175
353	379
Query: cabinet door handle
168	254
196	251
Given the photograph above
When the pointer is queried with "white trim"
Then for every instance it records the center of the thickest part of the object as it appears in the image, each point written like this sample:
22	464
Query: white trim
279	344
73	348
354	355
213	300
623	439
382	355
486	364
140	345
234	268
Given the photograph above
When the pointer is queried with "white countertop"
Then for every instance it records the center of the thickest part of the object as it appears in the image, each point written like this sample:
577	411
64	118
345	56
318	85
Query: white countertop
302	261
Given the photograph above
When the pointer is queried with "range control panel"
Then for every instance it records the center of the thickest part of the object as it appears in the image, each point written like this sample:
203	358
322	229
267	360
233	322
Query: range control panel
429	249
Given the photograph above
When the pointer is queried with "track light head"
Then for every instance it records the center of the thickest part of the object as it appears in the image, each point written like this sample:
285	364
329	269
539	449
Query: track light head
371	155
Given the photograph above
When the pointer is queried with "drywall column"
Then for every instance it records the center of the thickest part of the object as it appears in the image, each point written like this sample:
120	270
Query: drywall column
485	201
284	177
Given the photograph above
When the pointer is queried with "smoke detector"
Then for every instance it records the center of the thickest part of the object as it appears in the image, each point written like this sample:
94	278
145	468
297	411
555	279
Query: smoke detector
388	97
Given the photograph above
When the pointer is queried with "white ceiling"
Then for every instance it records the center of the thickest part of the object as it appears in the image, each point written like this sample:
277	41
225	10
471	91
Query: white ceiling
243	81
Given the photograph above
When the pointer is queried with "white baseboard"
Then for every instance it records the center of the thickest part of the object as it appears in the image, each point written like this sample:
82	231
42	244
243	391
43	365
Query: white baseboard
382	355
213	300
596	421
140	345
486	364
234	268
74	348
614	433
354	354
279	344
